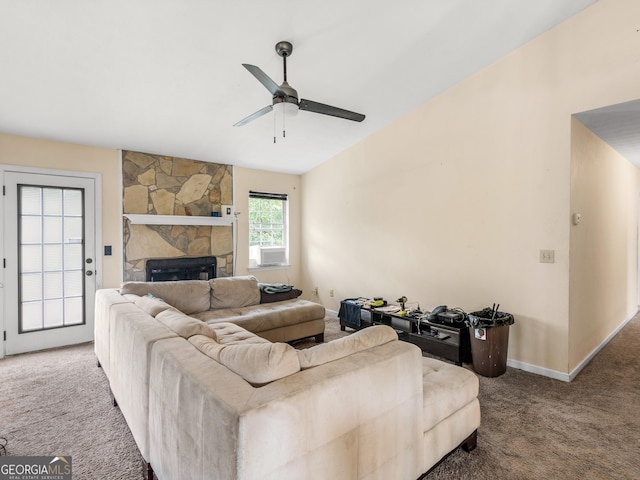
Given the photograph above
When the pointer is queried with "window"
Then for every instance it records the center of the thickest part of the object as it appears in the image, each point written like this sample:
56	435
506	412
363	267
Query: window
267	229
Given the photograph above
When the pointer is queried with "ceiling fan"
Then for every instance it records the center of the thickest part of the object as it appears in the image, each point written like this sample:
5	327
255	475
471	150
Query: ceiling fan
284	96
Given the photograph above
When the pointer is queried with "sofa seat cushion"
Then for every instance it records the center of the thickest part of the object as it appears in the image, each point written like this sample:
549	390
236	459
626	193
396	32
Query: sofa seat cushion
446	389
183	325
356	342
266	316
257	363
231	334
188	296
232	292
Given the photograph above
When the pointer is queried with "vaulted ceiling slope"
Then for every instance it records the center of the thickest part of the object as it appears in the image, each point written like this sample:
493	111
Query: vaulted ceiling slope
165	76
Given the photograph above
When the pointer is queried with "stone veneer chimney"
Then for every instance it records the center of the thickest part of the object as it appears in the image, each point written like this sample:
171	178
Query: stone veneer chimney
160	185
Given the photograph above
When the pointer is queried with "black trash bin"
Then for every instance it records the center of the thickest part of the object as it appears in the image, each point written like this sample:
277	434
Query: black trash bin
489	333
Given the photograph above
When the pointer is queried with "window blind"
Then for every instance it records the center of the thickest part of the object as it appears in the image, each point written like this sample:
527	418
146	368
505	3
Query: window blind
268	196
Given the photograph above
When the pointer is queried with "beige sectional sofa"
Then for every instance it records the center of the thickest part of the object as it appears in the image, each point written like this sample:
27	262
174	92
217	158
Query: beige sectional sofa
212	399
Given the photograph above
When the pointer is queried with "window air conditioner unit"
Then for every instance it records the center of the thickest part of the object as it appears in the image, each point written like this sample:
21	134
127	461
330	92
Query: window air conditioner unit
271	255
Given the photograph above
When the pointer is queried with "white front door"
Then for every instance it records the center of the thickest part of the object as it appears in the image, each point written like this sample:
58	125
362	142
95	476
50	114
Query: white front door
49	260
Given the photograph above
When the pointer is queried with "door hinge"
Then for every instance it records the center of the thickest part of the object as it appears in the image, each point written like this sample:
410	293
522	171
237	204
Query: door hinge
4	263
4	190
4	335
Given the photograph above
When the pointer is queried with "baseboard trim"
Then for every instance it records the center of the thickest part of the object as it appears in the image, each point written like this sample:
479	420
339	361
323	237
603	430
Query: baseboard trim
574	373
545	372
568	377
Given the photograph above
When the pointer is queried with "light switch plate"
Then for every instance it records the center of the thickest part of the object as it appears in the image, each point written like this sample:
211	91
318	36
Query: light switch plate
547	256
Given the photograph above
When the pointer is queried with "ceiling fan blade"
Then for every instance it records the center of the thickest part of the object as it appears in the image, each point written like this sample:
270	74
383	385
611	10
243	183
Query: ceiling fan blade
316	107
264	79
253	116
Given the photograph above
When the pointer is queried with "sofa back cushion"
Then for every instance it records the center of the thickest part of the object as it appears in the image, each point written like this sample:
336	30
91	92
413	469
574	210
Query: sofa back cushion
151	305
183	325
257	363
336	349
234	292
188	296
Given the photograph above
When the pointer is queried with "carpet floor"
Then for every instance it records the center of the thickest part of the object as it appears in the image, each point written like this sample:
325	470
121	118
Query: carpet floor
57	402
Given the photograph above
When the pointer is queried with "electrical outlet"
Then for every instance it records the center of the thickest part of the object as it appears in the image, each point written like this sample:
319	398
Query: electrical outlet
315	291
331	292
547	256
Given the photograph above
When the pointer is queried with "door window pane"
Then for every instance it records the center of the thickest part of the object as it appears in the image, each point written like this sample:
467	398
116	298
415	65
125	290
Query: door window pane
73	230
52	204
72	257
73	281
30	230
52	258
52	285
52	229
31	200
31	315
31	259
73	203
53	313
31	287
73	311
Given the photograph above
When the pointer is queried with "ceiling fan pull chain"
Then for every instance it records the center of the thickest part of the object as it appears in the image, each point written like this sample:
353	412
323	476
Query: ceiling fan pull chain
274	127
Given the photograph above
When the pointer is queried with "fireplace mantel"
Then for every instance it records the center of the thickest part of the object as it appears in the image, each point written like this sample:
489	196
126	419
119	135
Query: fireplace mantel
141	219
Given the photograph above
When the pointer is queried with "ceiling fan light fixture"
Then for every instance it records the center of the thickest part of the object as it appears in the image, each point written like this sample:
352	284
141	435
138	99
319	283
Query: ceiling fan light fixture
285	108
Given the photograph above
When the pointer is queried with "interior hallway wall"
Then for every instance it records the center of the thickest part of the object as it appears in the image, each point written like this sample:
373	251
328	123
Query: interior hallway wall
604	245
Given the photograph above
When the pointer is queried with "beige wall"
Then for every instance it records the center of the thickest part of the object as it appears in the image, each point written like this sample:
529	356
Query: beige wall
603	286
30	152
46	154
246	179
452	203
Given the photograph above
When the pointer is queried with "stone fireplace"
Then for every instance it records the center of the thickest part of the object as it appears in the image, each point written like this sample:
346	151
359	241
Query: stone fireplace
168	208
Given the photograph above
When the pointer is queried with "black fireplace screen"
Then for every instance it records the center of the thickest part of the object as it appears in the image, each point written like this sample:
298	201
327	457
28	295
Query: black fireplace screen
181	268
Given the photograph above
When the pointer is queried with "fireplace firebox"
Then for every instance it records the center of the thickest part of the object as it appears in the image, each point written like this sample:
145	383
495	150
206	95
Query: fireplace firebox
180	268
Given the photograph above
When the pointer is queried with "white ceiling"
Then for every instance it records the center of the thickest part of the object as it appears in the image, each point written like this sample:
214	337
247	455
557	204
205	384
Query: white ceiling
165	77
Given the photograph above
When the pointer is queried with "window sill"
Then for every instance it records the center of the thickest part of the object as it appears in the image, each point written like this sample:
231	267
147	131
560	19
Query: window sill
269	267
